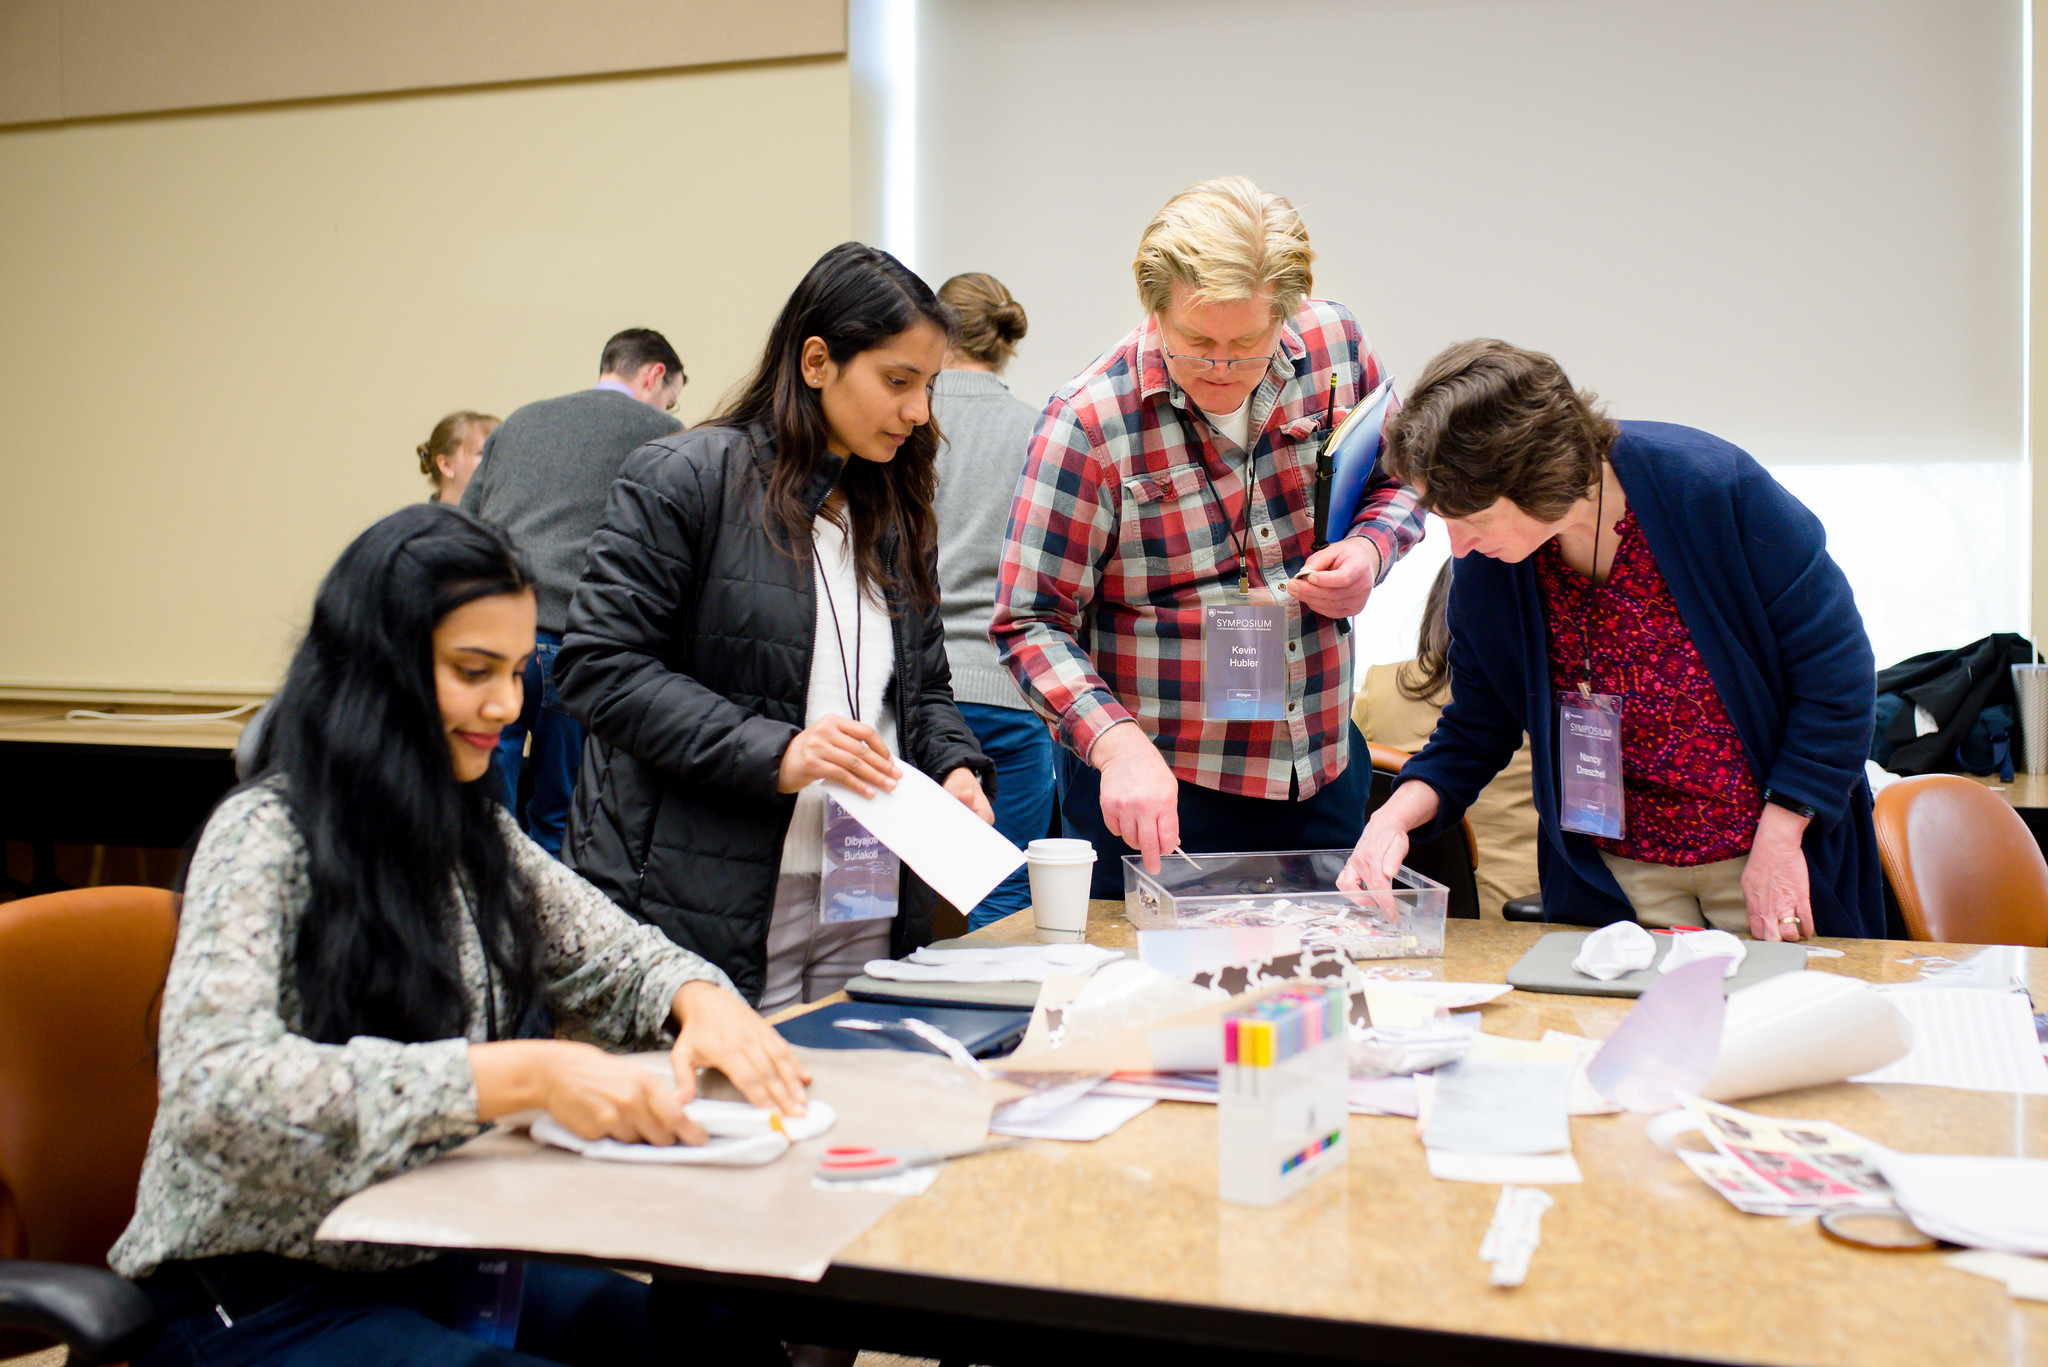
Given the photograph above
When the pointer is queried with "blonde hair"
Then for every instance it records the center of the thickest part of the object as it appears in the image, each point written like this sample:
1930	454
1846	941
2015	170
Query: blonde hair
991	321
447	438
1225	239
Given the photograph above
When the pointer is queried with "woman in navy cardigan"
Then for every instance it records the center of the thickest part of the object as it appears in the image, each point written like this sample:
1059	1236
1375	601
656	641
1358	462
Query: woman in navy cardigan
1663	568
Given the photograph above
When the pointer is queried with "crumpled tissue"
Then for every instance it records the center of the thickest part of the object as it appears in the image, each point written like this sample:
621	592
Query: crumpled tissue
1385	1051
1613	950
1705	944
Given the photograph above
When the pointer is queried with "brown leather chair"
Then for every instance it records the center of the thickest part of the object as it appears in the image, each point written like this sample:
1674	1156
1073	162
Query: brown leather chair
81	973
1962	863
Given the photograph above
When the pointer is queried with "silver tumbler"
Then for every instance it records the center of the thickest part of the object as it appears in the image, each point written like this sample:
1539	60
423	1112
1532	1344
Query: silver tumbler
2030	689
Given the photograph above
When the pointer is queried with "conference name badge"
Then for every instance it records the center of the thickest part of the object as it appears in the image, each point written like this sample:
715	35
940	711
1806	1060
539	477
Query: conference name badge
858	880
1244	662
1589	762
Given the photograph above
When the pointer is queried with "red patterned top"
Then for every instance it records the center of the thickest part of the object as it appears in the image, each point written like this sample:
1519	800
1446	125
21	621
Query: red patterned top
1689	795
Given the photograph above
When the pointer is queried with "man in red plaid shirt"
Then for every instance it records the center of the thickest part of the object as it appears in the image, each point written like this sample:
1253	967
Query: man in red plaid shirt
1169	493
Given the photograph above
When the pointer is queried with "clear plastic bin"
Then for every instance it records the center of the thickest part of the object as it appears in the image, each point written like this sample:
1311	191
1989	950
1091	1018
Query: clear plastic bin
1295	889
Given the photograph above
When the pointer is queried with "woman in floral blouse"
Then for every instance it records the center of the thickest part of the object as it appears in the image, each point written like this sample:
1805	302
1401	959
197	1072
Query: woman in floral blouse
370	964
1665	623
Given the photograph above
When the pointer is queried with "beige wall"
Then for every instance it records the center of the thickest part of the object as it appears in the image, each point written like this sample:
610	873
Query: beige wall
72	59
226	332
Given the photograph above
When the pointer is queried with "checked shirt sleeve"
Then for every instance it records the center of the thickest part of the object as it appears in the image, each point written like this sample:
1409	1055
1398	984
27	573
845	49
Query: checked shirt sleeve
1063	523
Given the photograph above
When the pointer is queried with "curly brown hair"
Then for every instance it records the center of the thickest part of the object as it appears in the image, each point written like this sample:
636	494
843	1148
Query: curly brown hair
1488	421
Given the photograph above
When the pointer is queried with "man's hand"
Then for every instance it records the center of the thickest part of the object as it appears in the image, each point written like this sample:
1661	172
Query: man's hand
1140	796
721	1031
963	784
1774	885
1336	580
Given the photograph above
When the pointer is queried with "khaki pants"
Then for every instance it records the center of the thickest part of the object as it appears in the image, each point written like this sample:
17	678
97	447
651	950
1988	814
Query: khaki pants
1702	895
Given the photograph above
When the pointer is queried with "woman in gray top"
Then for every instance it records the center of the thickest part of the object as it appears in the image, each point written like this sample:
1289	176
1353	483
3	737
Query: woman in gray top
986	431
370	961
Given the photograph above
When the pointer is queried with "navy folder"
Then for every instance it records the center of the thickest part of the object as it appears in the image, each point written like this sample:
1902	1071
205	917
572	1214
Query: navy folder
985	1033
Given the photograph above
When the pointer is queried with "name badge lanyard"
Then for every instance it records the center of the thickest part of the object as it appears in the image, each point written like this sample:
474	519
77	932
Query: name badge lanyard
1244	643
1589	724
859	875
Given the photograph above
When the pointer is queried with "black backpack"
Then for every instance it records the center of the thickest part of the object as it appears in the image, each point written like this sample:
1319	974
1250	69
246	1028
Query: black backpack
1969	693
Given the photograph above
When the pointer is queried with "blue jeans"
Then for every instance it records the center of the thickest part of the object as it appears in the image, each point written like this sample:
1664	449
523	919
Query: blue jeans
1022	750
557	750
1214	823
570	1314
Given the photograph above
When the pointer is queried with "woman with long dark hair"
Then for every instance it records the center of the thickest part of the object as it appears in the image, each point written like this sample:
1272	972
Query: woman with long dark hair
759	612
369	958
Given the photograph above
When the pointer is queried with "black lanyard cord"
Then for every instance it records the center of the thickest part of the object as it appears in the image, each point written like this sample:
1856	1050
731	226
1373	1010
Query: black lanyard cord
850	676
1239	539
1592	598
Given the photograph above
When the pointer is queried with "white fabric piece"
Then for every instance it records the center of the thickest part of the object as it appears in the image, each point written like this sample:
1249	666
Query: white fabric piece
742	1136
1696	945
1010	964
1613	950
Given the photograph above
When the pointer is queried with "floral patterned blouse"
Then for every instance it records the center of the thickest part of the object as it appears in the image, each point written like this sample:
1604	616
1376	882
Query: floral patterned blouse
260	1132
1688	794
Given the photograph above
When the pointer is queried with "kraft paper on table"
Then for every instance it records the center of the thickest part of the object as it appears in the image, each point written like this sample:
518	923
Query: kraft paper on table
504	1191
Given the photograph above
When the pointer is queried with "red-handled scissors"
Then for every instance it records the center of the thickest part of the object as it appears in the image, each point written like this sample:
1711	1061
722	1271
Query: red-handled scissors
859	1163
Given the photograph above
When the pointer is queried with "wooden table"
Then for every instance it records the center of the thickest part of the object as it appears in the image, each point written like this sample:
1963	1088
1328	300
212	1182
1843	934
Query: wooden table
1074	1253
108	782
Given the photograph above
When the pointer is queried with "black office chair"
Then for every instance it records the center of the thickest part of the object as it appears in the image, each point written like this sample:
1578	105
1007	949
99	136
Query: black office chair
1450	857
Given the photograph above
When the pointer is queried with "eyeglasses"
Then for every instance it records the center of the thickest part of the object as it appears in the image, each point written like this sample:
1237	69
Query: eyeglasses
681	380
1227	364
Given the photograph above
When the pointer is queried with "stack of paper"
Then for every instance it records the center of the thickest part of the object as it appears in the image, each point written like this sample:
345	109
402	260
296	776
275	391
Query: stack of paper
1996	1203
1969	1038
1767	1166
1499	1120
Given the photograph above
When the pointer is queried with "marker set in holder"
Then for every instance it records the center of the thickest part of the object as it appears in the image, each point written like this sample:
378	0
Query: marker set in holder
1281	1111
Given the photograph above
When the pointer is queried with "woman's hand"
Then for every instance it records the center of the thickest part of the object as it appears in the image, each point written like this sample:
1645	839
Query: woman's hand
593	1094
1377	857
963	784
847	752
721	1031
1774	886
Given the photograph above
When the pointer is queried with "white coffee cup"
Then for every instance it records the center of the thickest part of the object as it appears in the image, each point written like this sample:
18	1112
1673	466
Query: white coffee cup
1060	871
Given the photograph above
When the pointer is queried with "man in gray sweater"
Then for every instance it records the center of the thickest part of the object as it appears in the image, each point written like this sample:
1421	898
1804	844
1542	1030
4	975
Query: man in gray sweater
545	475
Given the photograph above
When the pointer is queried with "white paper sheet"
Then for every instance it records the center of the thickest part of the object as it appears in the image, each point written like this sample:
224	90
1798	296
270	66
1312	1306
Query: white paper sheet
1082	1120
1451	996
951	848
1968	1038
2025	1278
1999	1204
1498	1169
1008	964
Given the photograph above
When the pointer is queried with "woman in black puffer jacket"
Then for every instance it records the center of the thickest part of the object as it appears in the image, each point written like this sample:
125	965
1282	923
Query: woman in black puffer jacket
759	611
